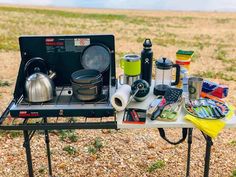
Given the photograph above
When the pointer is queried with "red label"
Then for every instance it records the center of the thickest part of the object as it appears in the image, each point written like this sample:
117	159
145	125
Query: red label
30	114
55	43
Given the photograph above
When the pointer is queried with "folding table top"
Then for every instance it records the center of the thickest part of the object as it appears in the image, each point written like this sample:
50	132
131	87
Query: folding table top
179	123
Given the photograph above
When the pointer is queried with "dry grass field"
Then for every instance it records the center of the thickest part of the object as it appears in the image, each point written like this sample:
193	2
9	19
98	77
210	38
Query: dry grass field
122	153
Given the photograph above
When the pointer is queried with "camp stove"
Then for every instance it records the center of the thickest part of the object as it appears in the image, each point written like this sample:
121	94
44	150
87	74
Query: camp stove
63	55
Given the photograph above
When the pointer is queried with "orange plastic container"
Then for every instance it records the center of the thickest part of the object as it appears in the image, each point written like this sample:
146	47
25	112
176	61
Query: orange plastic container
184	63
183	58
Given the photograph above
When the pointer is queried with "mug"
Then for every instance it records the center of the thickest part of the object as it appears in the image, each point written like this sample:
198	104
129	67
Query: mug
124	79
131	64
195	87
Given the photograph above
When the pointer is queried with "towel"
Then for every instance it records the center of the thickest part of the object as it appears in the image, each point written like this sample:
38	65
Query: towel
210	127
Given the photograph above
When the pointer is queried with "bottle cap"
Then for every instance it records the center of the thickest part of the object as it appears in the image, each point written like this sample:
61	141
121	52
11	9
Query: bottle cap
147	43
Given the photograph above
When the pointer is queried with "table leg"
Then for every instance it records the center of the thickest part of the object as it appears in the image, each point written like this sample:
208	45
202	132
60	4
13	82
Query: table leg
209	143
47	142
26	145
190	130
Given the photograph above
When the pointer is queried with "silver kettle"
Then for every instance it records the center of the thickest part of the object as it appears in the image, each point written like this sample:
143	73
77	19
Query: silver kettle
39	87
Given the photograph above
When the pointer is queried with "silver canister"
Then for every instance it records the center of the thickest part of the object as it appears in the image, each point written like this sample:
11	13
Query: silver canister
194	87
124	79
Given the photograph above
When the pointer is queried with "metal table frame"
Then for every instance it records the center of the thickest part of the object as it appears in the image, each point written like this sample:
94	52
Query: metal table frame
29	130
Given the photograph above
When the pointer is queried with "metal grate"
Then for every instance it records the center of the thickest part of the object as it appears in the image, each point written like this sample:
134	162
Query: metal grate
64	96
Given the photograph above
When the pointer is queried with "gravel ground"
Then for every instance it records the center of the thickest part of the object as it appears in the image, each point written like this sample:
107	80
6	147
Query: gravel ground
123	153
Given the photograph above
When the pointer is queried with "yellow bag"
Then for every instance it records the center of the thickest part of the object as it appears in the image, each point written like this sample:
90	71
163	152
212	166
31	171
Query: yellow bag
210	127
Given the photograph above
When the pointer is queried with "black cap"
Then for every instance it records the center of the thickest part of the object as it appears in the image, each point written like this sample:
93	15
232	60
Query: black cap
164	63
147	43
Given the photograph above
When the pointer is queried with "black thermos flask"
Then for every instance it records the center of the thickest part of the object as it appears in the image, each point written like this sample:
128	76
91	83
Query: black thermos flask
146	61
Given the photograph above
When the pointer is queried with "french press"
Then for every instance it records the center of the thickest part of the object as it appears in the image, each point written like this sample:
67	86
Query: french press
163	76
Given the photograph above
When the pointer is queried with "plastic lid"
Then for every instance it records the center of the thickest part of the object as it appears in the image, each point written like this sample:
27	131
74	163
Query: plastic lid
164	63
184	52
131	57
147	43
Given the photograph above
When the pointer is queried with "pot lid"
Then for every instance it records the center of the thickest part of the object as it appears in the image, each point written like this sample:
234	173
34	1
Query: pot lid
96	57
131	57
164	63
86	76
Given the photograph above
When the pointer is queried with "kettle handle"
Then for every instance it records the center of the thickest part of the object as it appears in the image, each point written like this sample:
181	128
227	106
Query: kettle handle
177	75
32	60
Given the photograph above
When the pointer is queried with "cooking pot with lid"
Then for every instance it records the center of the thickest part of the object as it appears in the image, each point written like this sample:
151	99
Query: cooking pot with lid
86	84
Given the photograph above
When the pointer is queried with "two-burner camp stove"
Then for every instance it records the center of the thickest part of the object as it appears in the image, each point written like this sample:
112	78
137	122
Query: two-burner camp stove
63	55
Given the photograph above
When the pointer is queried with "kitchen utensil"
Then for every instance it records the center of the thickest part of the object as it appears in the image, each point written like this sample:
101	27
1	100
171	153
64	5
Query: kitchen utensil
134	116
172	95
171	111
163	76
194	87
214	109
203	109
154	105
143	89
196	109
146	61
39	87
205	95
96	56
204	103
86	84
217	108
131	64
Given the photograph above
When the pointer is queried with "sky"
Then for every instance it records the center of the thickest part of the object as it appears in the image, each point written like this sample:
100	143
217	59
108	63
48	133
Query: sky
189	5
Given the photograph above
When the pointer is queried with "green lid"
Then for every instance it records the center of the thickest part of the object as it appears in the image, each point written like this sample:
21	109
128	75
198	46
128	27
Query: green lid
184	52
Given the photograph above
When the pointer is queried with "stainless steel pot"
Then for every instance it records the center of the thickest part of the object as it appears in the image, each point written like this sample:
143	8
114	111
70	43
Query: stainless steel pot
39	87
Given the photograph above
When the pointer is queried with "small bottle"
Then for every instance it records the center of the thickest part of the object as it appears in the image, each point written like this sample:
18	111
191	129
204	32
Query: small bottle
185	84
146	61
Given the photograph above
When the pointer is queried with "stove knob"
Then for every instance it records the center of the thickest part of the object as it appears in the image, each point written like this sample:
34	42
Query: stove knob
92	113
107	113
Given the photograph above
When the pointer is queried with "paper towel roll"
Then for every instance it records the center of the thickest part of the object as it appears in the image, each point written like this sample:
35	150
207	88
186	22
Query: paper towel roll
121	98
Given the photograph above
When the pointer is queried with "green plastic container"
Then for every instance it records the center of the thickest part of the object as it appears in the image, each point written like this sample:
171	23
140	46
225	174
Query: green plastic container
131	64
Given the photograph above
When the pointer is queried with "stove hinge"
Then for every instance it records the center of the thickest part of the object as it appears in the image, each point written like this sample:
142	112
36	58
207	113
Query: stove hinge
7	111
